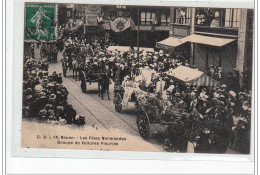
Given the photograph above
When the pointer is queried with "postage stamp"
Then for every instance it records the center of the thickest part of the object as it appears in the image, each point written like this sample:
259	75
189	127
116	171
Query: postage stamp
40	22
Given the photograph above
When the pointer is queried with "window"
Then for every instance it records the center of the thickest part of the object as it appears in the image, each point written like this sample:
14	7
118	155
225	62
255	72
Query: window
232	17
182	15
165	19
210	17
147	18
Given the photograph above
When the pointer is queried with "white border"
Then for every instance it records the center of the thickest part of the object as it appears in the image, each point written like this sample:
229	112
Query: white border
243	163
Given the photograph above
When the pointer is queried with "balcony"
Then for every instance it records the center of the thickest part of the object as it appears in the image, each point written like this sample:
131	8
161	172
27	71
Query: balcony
219	31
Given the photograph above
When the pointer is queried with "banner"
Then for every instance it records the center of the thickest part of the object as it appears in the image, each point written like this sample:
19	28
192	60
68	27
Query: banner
40	22
120	24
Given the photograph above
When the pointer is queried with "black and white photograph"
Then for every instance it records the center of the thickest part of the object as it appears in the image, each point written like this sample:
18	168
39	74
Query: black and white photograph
137	78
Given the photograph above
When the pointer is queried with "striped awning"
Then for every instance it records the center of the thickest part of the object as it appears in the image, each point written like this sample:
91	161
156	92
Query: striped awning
192	76
204	80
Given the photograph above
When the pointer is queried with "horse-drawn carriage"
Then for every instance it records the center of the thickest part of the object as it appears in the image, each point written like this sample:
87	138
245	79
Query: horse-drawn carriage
123	90
152	109
88	75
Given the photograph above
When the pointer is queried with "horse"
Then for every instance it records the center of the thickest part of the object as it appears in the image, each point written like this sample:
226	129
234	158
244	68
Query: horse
75	69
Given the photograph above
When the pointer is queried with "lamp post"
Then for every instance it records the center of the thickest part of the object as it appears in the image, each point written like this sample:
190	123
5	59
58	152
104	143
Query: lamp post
138	28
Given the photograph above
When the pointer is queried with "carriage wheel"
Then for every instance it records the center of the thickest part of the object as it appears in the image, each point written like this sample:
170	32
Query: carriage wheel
143	124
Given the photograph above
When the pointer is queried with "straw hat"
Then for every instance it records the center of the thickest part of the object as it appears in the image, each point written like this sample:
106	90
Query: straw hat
232	93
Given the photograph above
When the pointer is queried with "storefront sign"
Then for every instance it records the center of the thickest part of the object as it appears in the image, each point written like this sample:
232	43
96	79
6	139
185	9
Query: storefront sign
40	22
120	24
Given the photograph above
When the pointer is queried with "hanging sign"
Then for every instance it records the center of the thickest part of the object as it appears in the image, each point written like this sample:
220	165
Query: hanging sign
120	24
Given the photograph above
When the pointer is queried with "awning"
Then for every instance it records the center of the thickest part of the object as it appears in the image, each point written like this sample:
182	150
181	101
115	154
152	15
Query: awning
172	42
145	49
119	48
212	41
192	76
169	43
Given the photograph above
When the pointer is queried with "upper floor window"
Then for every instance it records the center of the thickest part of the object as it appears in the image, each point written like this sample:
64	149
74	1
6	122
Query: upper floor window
182	15
232	17
165	19
210	17
147	18
215	17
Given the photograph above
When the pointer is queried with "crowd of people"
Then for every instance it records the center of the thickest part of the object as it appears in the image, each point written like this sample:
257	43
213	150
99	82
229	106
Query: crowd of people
227	107
217	118
44	96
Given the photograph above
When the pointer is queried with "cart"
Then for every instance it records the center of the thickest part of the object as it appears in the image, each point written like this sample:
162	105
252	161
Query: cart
89	76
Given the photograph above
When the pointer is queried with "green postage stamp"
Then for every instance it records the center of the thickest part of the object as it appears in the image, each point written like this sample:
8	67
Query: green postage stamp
40	22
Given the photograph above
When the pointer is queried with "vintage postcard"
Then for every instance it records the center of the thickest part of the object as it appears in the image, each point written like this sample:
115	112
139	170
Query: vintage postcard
137	78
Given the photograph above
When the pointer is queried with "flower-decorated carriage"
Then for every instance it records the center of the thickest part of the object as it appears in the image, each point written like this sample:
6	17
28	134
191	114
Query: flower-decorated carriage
153	109
124	93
